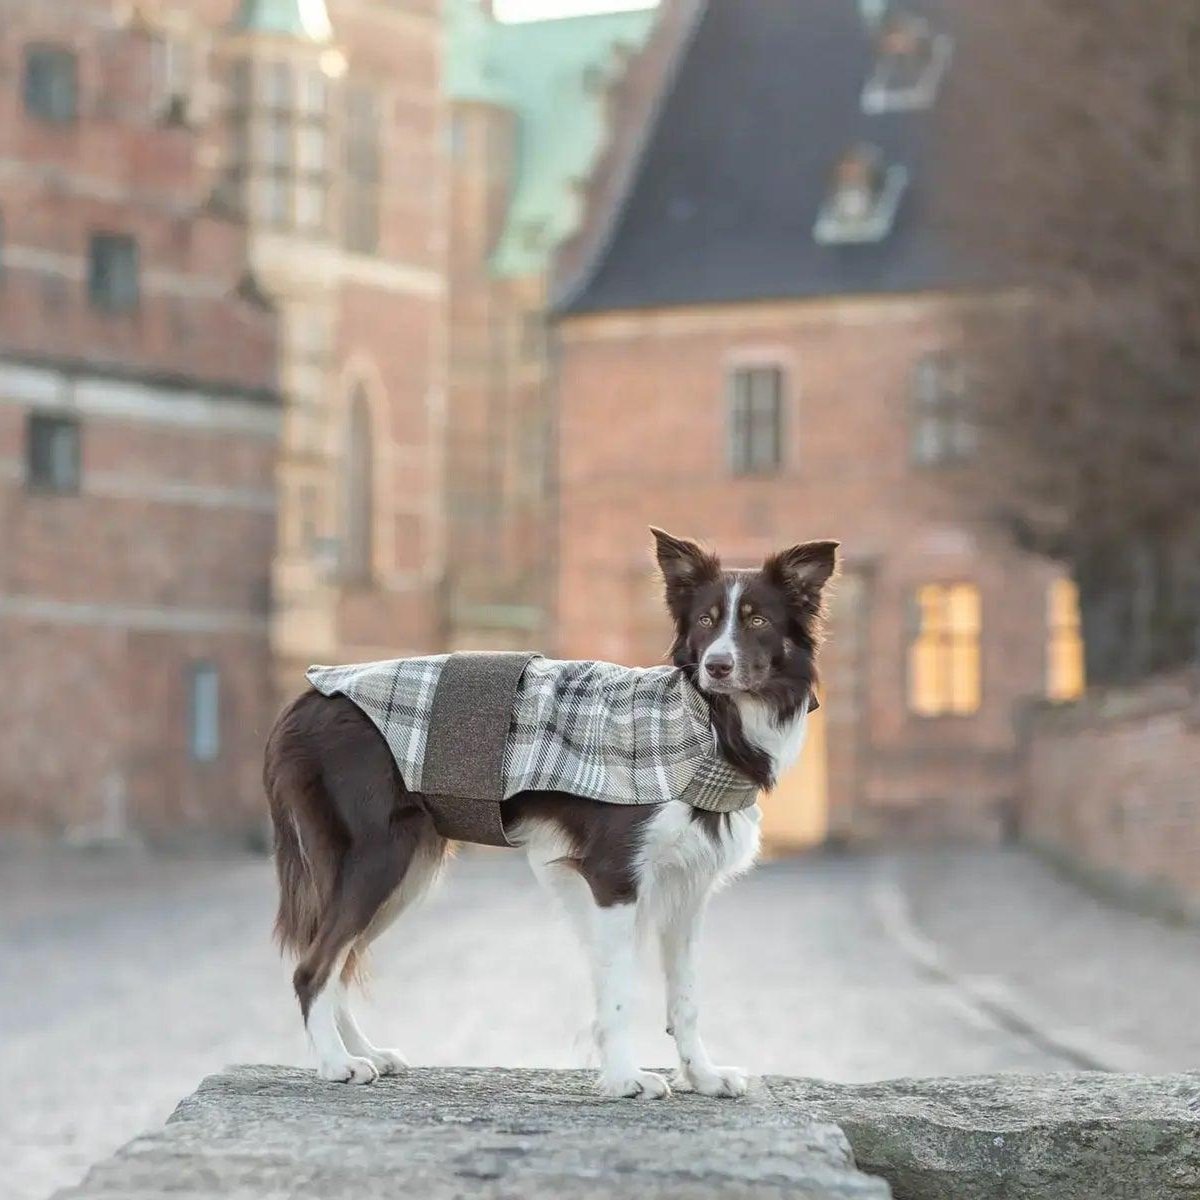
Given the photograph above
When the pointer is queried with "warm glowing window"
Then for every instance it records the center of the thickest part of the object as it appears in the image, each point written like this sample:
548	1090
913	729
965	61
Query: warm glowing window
944	660
1065	671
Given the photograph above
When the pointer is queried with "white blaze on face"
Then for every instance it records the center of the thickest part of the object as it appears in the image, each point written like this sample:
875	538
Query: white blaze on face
725	643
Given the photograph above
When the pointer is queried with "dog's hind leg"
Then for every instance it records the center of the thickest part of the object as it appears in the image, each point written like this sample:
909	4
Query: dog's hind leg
369	876
422	871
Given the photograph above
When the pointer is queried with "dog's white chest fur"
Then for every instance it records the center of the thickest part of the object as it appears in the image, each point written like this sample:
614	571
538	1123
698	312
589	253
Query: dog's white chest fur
782	742
681	854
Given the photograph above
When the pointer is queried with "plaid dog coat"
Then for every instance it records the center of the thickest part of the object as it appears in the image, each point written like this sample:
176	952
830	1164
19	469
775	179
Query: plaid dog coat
469	731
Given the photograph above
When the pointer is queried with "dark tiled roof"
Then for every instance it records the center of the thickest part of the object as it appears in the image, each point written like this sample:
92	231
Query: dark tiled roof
766	101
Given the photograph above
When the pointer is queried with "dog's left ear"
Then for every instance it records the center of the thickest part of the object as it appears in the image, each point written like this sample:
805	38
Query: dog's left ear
804	569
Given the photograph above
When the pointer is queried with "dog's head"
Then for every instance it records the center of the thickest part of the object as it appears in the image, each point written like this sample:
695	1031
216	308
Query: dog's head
745	630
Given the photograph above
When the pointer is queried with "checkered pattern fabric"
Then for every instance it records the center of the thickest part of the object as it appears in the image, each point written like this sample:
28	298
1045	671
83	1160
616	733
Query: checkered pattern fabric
618	734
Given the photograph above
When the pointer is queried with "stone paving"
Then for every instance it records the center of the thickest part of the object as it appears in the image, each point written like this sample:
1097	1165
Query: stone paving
1123	983
127	978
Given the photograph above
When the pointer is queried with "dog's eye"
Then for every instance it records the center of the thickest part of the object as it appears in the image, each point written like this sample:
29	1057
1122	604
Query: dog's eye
757	622
706	621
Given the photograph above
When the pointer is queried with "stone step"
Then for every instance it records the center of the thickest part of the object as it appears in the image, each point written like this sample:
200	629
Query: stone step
267	1132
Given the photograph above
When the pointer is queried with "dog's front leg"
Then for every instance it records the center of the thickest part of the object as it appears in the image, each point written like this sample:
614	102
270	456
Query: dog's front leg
613	947
679	938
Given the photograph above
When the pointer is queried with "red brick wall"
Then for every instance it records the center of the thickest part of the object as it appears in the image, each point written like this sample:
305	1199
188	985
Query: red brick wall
109	596
1113	785
162	559
643	440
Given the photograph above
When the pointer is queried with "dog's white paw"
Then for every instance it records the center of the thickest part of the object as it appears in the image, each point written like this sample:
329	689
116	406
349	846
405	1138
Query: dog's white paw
348	1070
641	1085
388	1062
723	1082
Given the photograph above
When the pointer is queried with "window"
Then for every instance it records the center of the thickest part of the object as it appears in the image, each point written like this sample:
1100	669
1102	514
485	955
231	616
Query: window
113	272
52	458
361	197
755	420
864	194
944	658
204	713
358	494
943	419
173	65
1066	673
50	84
910	62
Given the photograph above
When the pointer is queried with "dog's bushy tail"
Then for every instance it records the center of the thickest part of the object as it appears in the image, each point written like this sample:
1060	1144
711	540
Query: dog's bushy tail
307	848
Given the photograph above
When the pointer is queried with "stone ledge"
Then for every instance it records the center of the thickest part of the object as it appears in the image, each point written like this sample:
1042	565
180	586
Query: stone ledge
267	1132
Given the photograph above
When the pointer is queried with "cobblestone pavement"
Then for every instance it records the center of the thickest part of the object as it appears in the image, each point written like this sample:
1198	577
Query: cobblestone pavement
127	978
1123	984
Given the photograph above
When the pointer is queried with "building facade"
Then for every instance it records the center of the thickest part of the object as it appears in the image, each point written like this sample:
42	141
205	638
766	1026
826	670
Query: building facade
767	348
221	386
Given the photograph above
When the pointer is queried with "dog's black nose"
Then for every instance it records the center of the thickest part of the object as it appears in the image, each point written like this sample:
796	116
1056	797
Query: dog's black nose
719	666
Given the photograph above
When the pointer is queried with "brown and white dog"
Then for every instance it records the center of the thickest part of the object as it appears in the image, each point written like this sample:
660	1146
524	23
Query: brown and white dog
354	847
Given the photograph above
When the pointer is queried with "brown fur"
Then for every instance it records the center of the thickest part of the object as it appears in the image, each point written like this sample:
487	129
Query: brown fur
346	831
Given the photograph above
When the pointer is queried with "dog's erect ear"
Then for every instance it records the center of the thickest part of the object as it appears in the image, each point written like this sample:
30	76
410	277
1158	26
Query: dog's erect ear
683	563
803	570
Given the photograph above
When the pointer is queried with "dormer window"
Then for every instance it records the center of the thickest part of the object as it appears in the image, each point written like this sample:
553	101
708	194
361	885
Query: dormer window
863	197
910	62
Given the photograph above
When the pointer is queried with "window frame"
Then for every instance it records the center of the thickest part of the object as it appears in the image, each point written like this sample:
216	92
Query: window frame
947	410
40	478
204	750
741	420
362	168
950	640
833	229
1064	636
49	56
99	300
879	95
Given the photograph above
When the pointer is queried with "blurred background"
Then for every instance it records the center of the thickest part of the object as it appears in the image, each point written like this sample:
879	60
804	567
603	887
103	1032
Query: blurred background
334	330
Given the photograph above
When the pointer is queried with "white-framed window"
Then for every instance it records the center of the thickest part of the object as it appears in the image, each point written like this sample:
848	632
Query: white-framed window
911	60
204	712
756	401
863	197
944	422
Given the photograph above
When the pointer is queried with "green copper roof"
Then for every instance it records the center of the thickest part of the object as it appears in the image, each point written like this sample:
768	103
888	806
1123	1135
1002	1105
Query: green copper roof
553	75
307	19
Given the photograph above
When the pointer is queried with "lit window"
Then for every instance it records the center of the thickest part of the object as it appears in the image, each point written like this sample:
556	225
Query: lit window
944	656
51	84
362	164
204	713
113	272
943	420
755	420
52	458
863	197
1066	674
911	61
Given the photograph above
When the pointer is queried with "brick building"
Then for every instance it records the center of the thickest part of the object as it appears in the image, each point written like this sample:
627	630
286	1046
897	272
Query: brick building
764	348
280	383
221	327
